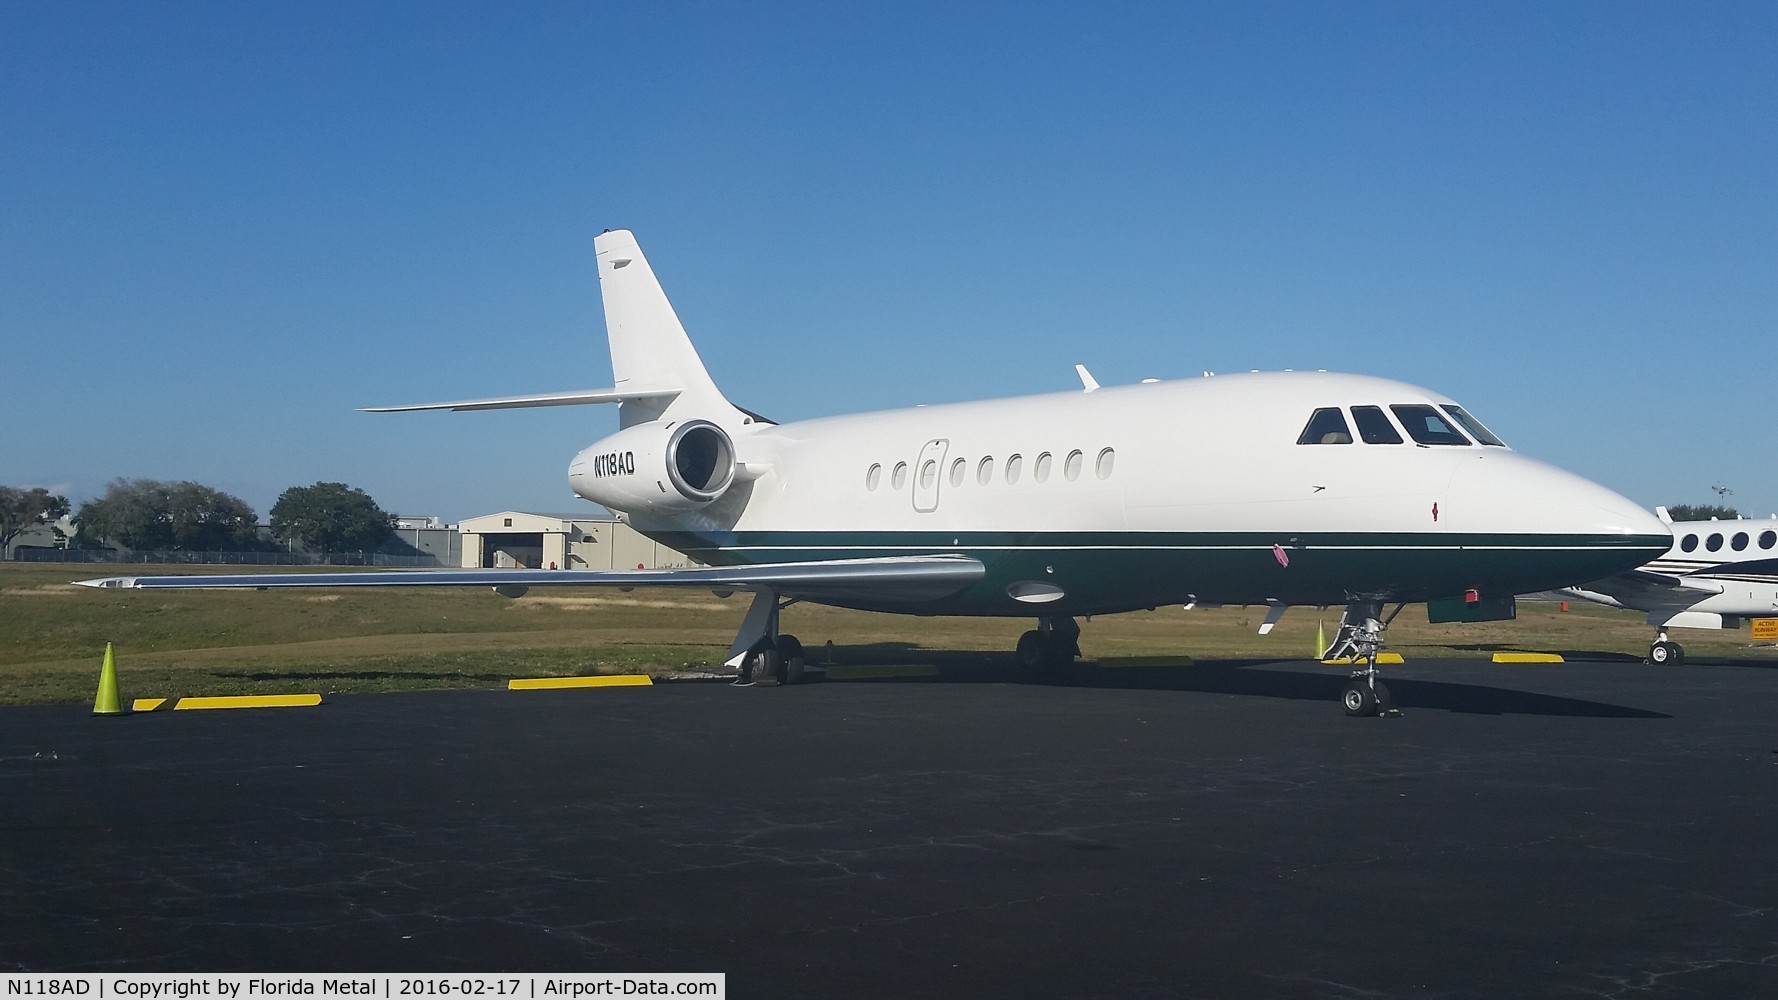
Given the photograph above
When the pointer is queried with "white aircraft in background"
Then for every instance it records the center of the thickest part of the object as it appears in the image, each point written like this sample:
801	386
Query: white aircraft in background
1716	573
1278	488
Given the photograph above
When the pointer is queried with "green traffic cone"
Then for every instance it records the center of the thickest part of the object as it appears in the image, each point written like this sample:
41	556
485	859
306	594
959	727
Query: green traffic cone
107	701
1320	641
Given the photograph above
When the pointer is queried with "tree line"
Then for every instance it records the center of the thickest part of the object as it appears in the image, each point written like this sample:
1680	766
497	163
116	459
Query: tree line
154	514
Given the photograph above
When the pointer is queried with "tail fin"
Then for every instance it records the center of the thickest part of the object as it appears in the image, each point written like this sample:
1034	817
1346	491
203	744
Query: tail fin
649	348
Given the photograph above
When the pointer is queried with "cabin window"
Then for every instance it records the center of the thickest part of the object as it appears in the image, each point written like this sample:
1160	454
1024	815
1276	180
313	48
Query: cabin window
1473	426
984	473
1040	469
1102	467
1425	426
1013	465
958	469
1767	539
1326	426
899	477
1071	465
1713	543
1738	542
873	477
929	473
1689	543
1374	426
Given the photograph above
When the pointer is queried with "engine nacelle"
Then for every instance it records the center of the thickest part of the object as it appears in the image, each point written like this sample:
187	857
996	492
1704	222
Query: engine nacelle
656	468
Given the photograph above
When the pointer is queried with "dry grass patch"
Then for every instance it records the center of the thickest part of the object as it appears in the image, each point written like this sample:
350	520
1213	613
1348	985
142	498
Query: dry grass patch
249	642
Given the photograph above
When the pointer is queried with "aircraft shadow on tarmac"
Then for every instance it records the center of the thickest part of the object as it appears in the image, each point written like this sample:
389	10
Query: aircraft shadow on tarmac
1255	678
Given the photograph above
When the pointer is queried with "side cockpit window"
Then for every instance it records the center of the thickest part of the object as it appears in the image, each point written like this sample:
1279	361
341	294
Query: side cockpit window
1326	426
1374	426
1425	425
1473	426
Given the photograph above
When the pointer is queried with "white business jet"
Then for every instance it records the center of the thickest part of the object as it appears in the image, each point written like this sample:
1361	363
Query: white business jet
1278	488
1716	574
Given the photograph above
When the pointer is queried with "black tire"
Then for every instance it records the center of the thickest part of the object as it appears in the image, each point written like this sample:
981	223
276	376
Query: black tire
768	666
1032	651
790	652
1359	700
1385	703
1666	654
1062	650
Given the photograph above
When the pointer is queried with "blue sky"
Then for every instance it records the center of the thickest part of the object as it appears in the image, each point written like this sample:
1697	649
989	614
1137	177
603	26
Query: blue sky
225	226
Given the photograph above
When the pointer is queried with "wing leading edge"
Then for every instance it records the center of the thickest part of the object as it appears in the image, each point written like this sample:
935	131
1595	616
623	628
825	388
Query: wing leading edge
905	577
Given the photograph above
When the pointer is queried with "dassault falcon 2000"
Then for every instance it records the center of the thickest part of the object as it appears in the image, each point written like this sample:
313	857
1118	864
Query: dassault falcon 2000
1288	488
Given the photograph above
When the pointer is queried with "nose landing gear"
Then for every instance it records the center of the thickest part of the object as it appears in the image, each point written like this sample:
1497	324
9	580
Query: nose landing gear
1360	639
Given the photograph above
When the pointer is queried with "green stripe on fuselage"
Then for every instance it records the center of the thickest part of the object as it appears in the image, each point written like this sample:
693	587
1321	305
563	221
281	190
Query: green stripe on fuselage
1104	572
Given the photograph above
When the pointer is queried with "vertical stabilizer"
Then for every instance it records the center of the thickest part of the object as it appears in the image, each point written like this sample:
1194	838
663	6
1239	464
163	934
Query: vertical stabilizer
649	348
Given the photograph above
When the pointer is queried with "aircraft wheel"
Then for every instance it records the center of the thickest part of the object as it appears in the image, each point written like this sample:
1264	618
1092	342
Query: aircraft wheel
768	666
1359	700
790	652
1666	654
1032	651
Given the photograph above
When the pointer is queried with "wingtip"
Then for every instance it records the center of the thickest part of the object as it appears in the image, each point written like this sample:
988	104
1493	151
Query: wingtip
108	582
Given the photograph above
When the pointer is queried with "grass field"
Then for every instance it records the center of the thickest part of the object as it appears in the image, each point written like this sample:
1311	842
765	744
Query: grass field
179	643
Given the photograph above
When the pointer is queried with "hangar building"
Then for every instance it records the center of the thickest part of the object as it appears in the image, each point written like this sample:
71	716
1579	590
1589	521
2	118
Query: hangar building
516	538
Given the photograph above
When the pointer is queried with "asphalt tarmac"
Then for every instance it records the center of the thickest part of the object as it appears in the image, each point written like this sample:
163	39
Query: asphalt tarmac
1220	830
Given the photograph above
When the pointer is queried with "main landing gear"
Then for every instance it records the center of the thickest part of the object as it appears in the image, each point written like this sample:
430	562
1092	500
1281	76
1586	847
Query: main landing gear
776	662
1664	652
763	655
1049	647
1360	639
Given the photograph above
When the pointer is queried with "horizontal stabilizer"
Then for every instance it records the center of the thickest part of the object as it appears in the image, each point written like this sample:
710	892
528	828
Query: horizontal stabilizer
905	577
583	398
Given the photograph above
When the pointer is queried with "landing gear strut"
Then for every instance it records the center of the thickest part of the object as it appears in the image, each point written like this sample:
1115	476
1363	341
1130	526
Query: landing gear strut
1053	644
1665	652
1360	639
763	655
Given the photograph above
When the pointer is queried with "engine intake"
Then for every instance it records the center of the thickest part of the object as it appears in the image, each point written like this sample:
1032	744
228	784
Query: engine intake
657	468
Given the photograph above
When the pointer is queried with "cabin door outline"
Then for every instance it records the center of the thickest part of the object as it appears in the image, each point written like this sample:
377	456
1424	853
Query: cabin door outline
929	473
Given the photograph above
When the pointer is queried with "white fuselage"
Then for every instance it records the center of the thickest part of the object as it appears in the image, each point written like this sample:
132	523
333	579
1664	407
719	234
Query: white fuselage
1168	491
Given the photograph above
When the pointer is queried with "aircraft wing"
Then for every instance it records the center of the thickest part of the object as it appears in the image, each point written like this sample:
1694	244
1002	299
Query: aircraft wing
1643	590
907	577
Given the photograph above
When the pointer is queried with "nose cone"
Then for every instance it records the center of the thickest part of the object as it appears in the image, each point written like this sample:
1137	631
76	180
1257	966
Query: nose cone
1581	530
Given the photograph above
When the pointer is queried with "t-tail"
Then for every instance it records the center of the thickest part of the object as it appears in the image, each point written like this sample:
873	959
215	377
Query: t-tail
656	370
674	451
649	347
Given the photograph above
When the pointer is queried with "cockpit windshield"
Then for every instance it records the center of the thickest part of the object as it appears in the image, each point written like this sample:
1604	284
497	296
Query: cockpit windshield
1374	426
1326	426
1425	425
1473	426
